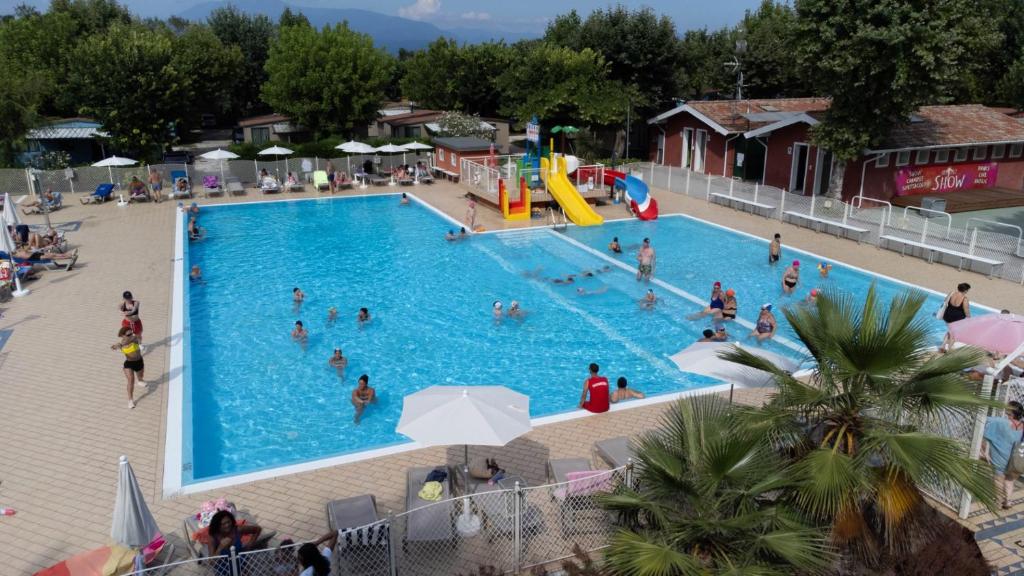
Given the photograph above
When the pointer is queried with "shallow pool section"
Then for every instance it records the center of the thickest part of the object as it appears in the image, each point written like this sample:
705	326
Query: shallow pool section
260	400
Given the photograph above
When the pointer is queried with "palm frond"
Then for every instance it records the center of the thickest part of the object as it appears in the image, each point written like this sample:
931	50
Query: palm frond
631	554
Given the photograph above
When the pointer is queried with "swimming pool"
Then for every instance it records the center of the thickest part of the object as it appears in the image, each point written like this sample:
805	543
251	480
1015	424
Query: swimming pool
255	400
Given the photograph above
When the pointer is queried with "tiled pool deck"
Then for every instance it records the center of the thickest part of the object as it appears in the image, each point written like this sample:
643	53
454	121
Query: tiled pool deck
64	420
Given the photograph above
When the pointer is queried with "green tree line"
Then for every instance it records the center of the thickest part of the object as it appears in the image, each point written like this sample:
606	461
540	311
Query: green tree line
150	80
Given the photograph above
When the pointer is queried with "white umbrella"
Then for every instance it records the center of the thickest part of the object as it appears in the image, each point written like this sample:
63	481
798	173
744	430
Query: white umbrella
10	214
8	245
417	146
276	151
480	415
133	524
219	155
702	358
390	148
114	161
353	147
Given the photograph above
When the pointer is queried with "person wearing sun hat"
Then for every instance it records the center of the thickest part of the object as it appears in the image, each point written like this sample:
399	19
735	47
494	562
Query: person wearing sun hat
766	324
791	277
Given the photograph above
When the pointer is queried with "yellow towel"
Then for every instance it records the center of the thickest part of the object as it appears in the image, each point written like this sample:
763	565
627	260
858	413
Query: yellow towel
431	491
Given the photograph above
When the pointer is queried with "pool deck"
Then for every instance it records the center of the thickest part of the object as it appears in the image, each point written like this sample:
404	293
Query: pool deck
65	420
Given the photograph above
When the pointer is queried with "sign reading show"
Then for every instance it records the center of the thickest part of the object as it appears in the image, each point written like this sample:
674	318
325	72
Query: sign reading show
939	179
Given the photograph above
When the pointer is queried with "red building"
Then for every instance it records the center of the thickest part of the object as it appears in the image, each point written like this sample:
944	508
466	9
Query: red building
941	149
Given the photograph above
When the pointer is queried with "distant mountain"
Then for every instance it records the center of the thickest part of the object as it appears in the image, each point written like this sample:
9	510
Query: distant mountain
390	32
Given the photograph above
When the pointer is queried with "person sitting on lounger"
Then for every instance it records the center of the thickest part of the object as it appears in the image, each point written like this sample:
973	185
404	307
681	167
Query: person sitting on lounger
363	396
137	190
292	181
225	533
27	253
50	200
181	186
48	238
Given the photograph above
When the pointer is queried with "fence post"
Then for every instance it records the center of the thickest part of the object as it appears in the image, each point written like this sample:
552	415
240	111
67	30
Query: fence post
756	190
924	231
652	173
846	211
974	241
707	193
687	181
812	205
731	182
782	204
980	417
629	472
392	567
669	185
517	520
234	562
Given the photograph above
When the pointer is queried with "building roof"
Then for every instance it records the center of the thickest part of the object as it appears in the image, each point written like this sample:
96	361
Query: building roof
730	116
264	119
411	118
955	125
68	129
461	143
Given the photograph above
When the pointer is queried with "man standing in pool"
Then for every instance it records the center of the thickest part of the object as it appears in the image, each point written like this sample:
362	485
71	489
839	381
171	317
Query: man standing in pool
362	396
597	387
775	249
646	260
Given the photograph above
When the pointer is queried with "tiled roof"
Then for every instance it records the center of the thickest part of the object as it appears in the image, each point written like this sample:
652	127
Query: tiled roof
460	143
411	118
731	115
56	133
261	120
936	126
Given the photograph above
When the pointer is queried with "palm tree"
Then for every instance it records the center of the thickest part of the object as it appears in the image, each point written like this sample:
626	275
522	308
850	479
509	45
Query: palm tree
859	462
707	501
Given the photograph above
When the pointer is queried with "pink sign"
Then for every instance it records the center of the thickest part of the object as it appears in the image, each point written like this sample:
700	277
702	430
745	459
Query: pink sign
939	179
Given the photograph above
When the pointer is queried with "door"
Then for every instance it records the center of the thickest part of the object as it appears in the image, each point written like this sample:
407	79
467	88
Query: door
798	170
661	148
699	150
687	135
824	173
739	159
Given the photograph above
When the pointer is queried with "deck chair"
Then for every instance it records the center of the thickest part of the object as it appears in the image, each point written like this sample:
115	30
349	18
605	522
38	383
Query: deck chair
426	520
234	185
616	452
578	484
51	205
320	182
424	177
176	176
103	193
495	502
270	186
362	538
211	185
340	183
296	187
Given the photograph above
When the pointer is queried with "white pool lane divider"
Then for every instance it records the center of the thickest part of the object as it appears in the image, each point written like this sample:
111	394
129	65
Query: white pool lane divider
673	289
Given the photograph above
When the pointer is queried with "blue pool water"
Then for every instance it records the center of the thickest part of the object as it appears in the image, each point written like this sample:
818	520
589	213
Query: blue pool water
259	400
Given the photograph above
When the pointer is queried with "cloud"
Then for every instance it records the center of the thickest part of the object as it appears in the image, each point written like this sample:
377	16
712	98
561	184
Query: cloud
420	9
476	16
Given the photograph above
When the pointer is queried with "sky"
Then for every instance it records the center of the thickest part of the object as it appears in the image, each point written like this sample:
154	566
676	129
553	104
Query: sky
519	16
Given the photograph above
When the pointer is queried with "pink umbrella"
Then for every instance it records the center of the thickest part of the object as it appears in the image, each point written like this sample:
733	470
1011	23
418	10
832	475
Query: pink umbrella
1002	333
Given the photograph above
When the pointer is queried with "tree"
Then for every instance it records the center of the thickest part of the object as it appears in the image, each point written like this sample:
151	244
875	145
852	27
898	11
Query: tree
340	100
562	86
459	124
640	47
860	462
252	33
701	55
469	82
879	61
22	91
208	74
769	70
710	499
289	18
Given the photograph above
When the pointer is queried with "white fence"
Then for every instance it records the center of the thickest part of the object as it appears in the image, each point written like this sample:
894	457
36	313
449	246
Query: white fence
510	529
864	219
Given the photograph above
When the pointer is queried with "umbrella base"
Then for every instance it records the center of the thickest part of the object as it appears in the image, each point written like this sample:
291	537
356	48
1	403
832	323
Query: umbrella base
468	525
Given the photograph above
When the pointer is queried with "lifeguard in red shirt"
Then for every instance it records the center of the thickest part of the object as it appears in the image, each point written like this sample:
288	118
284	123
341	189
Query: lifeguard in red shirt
597	387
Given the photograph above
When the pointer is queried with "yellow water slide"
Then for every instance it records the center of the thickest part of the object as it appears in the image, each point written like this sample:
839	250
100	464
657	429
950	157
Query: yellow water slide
558	184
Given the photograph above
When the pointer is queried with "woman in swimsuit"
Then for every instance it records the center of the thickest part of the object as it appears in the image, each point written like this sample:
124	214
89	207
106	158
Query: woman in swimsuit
134	367
766	324
957	308
225	533
130	308
715	305
730	305
791	277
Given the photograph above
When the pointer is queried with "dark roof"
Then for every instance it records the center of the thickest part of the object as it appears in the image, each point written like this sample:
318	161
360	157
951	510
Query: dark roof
261	120
460	143
411	118
964	124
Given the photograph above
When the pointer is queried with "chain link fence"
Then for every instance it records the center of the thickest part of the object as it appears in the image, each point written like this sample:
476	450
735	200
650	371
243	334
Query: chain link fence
864	219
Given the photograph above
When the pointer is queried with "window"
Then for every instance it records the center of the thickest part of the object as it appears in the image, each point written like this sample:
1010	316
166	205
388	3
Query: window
903	158
440	154
922	157
455	159
961	155
882	161
1016	149
260	135
998	151
979	152
942	156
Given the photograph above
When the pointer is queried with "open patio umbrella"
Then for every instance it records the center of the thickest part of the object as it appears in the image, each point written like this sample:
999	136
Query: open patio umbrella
702	358
389	149
114	161
1002	333
220	155
353	147
479	415
8	245
276	151
133	525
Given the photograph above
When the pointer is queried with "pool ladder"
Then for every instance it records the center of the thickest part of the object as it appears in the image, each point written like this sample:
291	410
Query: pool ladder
554	218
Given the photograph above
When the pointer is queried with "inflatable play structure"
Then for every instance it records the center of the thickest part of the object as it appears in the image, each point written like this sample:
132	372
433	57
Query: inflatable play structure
519	209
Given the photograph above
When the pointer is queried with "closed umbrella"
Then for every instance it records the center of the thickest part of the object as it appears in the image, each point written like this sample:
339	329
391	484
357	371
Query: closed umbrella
703	358
353	147
276	151
8	245
133	524
479	415
220	155
10	213
114	161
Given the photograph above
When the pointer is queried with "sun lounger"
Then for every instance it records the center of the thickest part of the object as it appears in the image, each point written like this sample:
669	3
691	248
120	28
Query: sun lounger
343	183
234	186
40	259
495	502
198	550
269	185
362	537
51	205
296	187
378	180
320	182
176	176
425	177
211	185
578	484
616	452
559	468
426	520
103	193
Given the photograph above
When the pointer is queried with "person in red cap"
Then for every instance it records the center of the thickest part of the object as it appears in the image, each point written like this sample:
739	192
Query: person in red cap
791	277
597	387
715	304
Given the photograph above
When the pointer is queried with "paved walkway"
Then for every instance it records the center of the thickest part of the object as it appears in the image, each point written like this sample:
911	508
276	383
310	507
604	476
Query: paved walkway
65	419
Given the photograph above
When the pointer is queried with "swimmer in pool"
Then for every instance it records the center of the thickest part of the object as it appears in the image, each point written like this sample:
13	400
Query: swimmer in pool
299	333
298	295
720	334
514	311
196	275
404	200
363	396
708	335
791	277
584	292
646	260
450	236
775	249
766	324
730	305
614	245
715	304
463	234
649	300
567	280
496	310
332	315
823	269
338	361
363	317
812	298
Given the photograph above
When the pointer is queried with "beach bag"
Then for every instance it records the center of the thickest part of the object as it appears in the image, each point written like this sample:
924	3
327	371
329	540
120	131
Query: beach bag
1016	464
941	312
